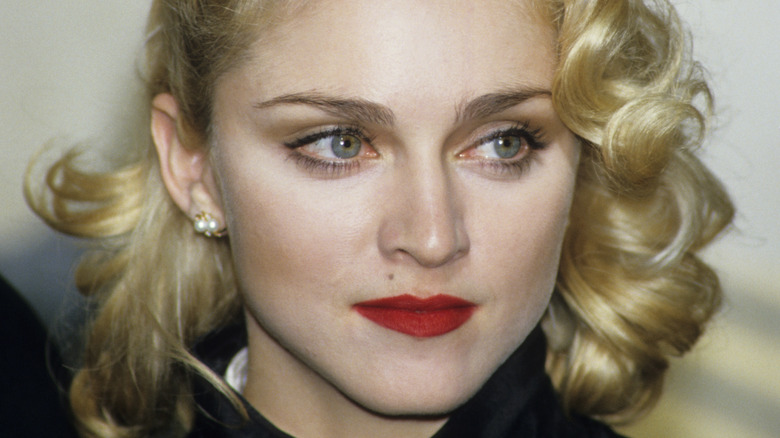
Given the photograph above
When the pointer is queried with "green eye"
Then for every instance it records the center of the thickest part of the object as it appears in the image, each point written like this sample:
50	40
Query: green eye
345	145
507	146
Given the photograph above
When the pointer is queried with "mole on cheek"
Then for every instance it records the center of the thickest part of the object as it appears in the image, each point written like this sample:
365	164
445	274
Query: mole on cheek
390	276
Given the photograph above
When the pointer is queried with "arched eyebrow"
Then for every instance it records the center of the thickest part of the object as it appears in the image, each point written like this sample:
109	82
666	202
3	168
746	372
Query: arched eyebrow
490	104
359	110
362	110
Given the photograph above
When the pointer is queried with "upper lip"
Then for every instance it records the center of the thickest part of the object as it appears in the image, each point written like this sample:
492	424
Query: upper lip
414	303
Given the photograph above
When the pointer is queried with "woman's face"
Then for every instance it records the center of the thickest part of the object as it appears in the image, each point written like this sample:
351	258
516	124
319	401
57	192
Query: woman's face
371	155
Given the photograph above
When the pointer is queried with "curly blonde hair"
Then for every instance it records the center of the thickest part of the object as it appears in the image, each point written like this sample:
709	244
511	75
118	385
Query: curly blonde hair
630	290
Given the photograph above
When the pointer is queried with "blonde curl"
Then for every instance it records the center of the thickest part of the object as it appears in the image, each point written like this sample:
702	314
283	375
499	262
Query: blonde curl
629	282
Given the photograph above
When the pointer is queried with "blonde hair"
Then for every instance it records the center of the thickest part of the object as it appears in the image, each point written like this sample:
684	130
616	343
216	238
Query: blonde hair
630	290
629	279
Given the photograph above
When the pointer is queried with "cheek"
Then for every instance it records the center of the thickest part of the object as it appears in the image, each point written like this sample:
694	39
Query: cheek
520	245
526	224
285	240
526	255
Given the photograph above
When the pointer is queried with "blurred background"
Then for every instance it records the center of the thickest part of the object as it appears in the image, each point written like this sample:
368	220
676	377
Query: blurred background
67	74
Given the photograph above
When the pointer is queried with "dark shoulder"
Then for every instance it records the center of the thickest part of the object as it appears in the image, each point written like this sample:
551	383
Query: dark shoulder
546	418
519	400
31	403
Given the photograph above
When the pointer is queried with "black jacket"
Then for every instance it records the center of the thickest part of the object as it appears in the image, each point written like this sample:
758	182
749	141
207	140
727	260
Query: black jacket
31	404
517	401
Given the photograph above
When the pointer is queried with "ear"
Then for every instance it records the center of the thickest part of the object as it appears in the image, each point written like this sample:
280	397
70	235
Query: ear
184	165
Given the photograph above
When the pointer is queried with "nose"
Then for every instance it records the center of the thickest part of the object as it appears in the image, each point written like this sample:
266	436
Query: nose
423	216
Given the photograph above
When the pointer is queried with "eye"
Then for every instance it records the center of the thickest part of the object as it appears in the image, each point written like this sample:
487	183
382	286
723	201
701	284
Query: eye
333	152
337	143
344	145
334	146
506	146
505	152
509	144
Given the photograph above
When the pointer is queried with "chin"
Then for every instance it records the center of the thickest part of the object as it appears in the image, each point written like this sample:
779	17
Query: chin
429	403
410	409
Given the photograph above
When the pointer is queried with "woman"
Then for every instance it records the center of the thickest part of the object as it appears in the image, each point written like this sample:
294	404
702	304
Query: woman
391	200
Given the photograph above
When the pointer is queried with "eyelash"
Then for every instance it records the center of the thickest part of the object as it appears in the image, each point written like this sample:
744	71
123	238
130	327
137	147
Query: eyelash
336	168
328	132
331	168
514	167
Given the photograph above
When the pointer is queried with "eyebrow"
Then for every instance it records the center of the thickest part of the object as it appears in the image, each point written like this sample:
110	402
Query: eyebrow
354	109
362	110
490	104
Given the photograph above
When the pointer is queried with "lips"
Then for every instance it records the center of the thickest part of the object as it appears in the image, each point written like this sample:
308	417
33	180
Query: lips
418	317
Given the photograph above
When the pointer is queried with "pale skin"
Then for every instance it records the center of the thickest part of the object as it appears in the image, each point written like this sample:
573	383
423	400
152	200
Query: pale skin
424	207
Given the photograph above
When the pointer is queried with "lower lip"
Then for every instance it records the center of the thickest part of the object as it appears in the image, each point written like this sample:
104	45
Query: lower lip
413	316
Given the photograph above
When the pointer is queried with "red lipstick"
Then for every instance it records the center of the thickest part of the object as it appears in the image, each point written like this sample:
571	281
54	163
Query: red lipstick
413	316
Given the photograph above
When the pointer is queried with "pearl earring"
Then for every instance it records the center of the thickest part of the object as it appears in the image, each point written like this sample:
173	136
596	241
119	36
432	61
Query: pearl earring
208	226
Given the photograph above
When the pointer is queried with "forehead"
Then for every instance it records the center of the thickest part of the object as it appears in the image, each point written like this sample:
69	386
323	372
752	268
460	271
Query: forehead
372	47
